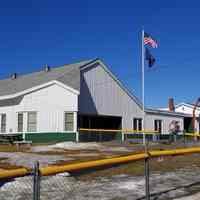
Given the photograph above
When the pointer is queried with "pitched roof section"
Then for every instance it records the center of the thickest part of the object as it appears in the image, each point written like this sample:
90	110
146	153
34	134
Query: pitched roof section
114	77
191	105
165	112
67	74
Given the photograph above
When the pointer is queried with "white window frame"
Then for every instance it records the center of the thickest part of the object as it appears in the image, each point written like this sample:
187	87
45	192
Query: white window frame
137	123
73	129
158	123
28	121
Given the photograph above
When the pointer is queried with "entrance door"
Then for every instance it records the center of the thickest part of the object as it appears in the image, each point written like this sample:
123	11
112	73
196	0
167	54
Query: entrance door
98	122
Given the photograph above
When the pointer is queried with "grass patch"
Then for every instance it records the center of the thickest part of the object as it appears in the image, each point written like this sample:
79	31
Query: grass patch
169	164
5	165
8	148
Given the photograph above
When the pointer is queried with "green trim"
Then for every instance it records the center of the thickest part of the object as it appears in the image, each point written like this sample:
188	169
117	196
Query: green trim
118	136
50	137
138	136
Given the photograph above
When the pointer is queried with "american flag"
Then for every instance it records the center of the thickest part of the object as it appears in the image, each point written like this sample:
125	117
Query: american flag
150	41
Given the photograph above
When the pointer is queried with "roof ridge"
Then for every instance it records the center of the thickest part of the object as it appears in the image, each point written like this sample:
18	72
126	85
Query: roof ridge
89	62
42	70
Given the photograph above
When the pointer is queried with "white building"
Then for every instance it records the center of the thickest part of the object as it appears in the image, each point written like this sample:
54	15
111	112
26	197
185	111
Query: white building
187	110
52	104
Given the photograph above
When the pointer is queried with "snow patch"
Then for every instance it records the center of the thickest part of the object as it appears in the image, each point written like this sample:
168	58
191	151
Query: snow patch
191	197
66	146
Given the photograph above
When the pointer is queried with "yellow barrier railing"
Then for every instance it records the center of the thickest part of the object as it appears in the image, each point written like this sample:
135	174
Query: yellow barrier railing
12	173
111	161
91	164
193	134
125	131
45	171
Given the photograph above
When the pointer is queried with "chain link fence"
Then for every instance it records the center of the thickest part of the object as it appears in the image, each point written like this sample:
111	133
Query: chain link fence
163	186
17	189
63	186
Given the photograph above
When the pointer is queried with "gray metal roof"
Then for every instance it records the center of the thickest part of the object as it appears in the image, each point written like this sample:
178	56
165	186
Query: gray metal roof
67	74
164	112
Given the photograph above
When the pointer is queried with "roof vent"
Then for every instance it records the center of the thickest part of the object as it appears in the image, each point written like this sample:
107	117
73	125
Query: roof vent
14	76
47	68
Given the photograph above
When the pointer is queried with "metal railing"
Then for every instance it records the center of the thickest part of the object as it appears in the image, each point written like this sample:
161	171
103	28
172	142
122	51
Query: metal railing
54	182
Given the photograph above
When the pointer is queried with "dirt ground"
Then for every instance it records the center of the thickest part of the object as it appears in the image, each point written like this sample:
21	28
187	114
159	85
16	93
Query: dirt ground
169	176
157	165
71	152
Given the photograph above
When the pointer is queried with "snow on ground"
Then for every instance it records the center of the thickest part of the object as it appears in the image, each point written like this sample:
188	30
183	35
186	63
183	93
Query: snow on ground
27	159
191	197
78	146
61	187
102	147
67	146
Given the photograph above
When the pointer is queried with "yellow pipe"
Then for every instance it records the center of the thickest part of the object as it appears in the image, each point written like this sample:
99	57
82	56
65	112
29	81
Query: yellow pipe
90	164
141	133
192	134
45	171
111	161
13	173
117	130
175	152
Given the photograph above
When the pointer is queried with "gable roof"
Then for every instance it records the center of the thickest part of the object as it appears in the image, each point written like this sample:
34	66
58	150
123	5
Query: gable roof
114	77
166	113
190	105
66	74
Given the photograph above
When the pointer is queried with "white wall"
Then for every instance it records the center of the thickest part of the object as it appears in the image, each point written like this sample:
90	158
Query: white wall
189	110
49	103
101	94
166	120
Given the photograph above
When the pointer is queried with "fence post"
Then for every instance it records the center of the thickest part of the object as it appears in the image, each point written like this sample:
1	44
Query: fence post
147	193
36	181
146	172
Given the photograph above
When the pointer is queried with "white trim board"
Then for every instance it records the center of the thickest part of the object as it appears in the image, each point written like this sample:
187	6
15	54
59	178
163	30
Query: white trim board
40	87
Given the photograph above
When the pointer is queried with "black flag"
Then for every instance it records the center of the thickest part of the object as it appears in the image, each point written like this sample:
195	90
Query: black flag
149	57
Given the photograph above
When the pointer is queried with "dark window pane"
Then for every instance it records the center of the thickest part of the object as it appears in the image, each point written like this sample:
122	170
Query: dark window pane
3	123
140	124
158	125
137	124
69	121
20	122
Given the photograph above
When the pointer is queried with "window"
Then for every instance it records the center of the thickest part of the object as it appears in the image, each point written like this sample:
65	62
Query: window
3	123
69	121
20	122
32	122
158	125
137	124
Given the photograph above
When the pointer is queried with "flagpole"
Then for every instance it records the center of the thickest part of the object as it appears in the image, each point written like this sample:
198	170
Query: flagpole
143	98
146	161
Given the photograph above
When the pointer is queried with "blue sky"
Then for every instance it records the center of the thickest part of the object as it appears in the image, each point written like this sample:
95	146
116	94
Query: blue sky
34	33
